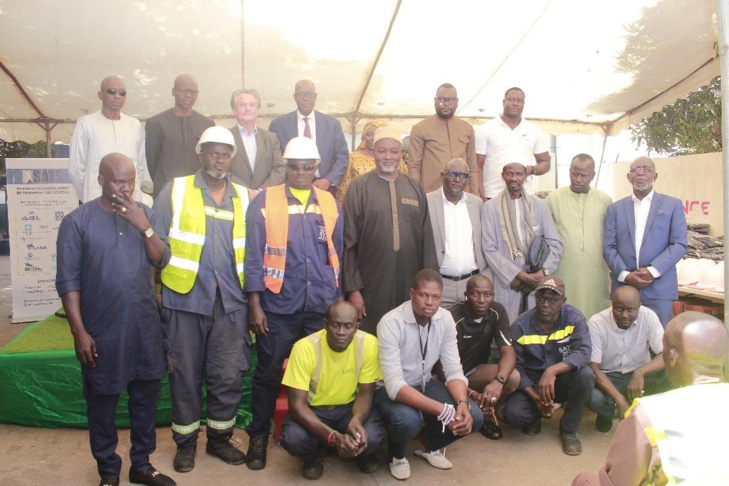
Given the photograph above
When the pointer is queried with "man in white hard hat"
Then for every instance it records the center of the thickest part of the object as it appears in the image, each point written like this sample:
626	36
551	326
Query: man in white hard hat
205	310
293	252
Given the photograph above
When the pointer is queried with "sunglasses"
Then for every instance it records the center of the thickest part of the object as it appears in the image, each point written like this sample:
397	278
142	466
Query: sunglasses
114	91
305	168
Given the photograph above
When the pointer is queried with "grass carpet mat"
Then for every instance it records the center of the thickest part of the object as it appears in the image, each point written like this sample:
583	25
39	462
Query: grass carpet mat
40	382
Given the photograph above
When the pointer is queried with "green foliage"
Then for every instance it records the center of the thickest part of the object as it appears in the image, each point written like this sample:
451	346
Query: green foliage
691	125
23	150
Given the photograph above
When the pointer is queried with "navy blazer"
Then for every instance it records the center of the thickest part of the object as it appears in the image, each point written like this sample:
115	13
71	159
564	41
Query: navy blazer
664	243
329	141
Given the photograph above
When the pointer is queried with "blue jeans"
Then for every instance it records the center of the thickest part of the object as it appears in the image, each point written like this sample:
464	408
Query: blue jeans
603	405
405	422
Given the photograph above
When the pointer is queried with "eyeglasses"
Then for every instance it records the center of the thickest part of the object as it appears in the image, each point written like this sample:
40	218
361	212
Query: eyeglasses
446	101
217	156
305	94
187	92
552	301
113	91
456	175
297	167
642	170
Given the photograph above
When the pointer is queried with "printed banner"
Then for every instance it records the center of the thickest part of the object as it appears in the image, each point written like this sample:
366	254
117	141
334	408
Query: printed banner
40	194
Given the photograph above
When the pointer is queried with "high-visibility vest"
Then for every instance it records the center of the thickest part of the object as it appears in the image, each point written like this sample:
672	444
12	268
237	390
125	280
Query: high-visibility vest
690	425
276	214
359	341
187	232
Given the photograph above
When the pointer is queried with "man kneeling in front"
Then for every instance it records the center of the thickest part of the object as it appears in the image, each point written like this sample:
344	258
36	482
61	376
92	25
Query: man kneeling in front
412	338
331	377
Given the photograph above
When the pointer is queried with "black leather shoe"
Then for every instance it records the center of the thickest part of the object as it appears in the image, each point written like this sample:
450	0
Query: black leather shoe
221	448
184	459
367	464
534	427
150	477
256	456
313	469
109	482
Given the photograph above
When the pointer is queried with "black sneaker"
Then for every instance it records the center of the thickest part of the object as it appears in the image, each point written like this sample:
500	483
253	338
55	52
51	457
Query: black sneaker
603	424
534	427
150	477
367	464
571	444
221	448
109	482
256	456
313	469
185	459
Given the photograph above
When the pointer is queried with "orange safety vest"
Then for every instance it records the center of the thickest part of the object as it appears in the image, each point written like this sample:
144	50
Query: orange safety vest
276	214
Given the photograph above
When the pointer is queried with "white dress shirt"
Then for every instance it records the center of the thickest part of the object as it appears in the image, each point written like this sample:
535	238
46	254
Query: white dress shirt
459	258
249	143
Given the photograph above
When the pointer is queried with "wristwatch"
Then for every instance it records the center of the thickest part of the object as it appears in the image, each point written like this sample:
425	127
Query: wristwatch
501	379
148	232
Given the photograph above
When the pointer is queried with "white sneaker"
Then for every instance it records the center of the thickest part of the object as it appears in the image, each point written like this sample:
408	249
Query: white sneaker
435	458
400	468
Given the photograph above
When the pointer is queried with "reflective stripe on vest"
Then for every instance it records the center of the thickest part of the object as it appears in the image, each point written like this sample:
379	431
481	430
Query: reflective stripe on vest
540	339
276	215
186	429
359	339
187	232
688	426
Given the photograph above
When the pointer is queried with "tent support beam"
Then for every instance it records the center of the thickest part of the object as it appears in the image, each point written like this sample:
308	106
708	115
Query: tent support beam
376	61
43	121
722	16
602	154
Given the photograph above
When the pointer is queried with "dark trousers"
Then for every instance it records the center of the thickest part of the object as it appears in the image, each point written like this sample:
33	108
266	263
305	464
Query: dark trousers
301	443
602	404
283	331
405	422
101	412
214	348
574	388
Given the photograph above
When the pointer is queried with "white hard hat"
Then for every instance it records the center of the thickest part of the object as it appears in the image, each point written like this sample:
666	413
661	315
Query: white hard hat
216	135
302	148
713	278
689	272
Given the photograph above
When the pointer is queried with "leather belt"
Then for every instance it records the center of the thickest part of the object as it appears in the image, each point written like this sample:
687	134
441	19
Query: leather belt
461	277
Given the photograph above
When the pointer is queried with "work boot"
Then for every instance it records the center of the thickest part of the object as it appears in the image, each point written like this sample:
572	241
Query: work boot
534	427
220	447
257	452
313	468
185	459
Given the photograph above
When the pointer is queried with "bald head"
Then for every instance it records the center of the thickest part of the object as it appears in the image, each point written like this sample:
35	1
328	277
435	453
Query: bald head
478	280
626	306
111	80
695	344
110	162
342	310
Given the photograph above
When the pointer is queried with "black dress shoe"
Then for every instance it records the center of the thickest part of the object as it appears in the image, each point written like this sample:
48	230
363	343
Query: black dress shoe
256	456
313	469
150	477
603	424
367	464
109	482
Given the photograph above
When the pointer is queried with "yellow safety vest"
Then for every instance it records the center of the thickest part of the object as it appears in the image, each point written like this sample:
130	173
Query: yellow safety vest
359	340
187	232
689	426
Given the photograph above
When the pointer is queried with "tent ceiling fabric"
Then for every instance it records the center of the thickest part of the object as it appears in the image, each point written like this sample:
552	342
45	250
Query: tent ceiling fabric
584	64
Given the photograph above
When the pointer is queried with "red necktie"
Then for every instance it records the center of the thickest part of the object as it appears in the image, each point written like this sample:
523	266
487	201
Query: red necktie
307	128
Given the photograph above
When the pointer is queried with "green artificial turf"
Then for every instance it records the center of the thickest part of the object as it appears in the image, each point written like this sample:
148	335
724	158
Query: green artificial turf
50	334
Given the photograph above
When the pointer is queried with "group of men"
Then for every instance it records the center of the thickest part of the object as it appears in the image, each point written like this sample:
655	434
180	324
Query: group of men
249	239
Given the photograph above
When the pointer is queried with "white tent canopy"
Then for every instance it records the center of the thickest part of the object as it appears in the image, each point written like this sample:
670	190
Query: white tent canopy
586	65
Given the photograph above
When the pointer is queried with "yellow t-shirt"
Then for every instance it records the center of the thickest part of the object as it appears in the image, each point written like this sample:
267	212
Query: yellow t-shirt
301	194
337	382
